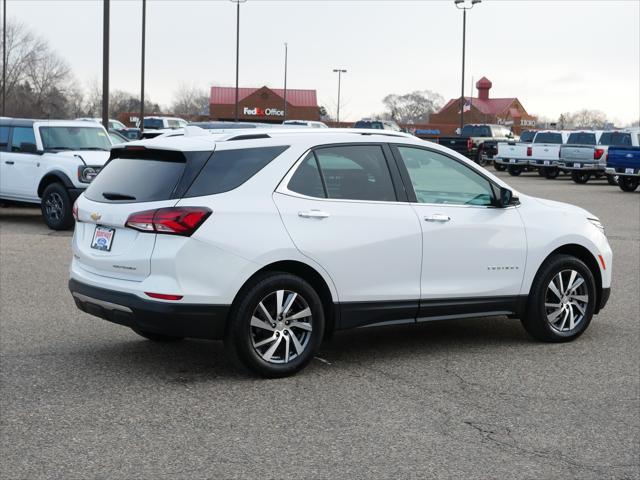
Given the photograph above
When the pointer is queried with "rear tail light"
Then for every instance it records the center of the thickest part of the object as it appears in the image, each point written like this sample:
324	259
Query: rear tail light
597	153
74	210
529	151
469	144
171	221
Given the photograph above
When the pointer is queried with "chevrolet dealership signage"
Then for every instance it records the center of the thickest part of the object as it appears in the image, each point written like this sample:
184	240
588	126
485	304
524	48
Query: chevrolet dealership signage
263	112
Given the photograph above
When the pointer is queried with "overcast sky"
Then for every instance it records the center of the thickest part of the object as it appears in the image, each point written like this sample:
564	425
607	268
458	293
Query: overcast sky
555	56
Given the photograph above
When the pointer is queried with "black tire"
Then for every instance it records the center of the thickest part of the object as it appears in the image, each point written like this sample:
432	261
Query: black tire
242	339
157	337
499	167
515	171
580	177
542	172
535	320
551	173
628	184
56	207
612	179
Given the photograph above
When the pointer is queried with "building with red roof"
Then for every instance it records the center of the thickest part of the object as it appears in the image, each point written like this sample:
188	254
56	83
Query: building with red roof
263	104
483	109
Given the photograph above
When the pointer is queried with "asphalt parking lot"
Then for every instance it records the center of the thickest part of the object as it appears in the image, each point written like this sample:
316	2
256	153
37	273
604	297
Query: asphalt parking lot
82	398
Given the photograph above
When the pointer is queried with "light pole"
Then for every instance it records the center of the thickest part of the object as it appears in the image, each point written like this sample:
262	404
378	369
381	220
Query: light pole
4	53
105	64
339	71
237	2
286	51
144	32
463	5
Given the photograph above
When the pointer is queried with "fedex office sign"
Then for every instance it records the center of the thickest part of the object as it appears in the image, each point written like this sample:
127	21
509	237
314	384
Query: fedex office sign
263	112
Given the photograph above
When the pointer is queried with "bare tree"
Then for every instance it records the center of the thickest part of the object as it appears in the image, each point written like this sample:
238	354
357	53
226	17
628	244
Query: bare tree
414	107
583	119
38	80
190	101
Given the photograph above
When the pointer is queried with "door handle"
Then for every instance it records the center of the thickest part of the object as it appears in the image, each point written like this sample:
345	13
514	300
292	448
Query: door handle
313	214
9	162
438	217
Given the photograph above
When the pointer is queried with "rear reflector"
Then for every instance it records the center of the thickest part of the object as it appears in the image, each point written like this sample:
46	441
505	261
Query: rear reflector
604	267
170	221
163	296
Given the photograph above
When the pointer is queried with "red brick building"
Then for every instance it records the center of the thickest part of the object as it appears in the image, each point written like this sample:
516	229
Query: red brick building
483	109
263	104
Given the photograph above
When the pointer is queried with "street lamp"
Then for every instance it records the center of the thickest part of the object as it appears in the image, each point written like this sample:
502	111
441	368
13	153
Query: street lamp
339	71
463	5
105	64
237	2
286	51
144	32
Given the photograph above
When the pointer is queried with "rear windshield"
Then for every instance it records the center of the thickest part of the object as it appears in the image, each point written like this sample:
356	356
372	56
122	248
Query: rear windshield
548	137
616	138
222	126
228	169
582	138
74	138
136	180
476	131
156	123
368	124
527	136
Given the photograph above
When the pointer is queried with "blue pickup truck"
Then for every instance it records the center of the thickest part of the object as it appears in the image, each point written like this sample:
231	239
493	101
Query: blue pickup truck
624	163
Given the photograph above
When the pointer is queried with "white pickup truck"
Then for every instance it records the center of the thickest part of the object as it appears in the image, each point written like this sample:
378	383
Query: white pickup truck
586	156
156	126
511	155
544	152
50	163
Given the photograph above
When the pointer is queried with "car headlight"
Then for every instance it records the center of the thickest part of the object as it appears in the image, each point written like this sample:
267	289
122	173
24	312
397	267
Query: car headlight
86	173
596	223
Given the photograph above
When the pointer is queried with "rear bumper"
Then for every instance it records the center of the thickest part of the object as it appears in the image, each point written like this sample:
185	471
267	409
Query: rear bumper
626	172
587	167
511	161
544	163
175	319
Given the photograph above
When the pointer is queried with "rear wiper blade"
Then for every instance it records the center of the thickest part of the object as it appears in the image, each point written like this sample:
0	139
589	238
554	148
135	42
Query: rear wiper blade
95	148
117	196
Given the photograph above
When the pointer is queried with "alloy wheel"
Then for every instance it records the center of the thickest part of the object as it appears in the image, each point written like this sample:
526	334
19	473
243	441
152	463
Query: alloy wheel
281	326
54	206
566	301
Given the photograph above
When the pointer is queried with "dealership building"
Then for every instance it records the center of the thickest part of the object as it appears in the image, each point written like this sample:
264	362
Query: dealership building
485	109
263	104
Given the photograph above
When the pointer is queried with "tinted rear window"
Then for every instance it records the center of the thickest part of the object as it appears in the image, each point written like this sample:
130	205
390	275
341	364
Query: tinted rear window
476	131
582	138
367	124
228	169
153	123
136	180
548	137
527	136
616	138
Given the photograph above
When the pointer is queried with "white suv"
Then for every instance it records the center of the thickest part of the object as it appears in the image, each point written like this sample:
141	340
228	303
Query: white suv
49	163
271	238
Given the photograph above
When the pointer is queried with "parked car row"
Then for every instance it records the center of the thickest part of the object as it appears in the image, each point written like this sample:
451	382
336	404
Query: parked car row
581	154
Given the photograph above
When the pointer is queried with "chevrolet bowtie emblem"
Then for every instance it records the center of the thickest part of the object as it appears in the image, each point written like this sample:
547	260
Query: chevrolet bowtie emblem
95	216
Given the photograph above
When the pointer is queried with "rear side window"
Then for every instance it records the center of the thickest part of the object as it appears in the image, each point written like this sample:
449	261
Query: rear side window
136	180
476	131
548	137
582	138
307	180
358	172
22	135
153	123
4	135
367	124
228	169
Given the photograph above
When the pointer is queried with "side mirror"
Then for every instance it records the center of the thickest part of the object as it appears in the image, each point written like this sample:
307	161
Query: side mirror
26	147
506	198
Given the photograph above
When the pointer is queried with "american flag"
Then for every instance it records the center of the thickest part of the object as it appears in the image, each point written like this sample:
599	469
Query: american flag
466	106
